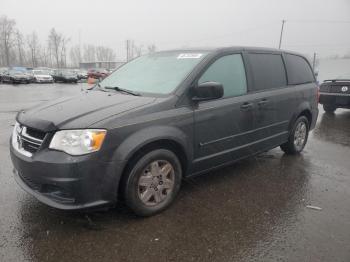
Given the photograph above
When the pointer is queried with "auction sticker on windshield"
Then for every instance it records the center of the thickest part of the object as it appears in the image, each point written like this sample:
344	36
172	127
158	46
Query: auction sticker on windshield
189	55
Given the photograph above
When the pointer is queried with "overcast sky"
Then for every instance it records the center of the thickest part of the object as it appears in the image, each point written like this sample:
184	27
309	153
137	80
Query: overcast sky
321	26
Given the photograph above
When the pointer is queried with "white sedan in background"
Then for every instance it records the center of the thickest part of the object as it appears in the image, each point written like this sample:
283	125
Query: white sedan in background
42	76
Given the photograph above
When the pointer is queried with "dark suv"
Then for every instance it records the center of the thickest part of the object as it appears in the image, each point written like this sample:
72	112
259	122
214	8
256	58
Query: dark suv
335	93
160	118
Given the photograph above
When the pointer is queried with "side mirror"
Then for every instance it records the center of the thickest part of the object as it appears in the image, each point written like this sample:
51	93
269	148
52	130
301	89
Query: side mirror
207	91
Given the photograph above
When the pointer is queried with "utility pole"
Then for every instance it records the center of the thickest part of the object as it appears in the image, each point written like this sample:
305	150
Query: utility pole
283	22
80	52
314	62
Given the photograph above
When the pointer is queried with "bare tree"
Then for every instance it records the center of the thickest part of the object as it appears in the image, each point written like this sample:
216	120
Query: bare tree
105	54
89	53
64	51
75	55
34	47
45	57
151	48
7	32
20	47
137	50
58	46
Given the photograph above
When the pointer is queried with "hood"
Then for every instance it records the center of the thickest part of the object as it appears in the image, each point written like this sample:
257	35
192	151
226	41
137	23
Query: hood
41	75
20	75
80	111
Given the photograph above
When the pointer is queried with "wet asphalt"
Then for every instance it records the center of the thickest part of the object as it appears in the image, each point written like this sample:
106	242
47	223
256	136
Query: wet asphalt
254	210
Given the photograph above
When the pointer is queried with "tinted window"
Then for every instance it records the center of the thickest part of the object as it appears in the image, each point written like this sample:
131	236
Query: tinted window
229	71
268	71
299	71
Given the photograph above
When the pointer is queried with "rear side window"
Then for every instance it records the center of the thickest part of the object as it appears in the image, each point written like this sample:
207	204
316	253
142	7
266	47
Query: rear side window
299	71
230	72
268	71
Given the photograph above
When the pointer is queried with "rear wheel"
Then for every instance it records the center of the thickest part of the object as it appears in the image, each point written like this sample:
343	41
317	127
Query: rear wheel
153	182
298	137
329	108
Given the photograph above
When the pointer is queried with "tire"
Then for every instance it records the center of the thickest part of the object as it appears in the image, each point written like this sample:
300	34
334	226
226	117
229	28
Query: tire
153	182
329	108
297	137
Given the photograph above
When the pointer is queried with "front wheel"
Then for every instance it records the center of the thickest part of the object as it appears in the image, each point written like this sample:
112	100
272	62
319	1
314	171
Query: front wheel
329	108
298	137
153	182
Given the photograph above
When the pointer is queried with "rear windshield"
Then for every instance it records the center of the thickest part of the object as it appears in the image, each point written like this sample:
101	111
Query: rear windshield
158	73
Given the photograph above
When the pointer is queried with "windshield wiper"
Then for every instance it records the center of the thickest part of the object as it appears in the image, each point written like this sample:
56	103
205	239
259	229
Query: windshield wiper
117	88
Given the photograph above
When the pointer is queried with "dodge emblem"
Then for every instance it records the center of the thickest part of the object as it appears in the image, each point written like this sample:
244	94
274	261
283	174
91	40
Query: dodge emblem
344	89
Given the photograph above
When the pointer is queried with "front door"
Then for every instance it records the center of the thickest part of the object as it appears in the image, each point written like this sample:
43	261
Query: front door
223	126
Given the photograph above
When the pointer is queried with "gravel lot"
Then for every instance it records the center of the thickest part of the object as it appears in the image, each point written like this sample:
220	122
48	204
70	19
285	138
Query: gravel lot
254	210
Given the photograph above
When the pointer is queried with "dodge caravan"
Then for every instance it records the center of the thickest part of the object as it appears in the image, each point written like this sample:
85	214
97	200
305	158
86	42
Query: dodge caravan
160	118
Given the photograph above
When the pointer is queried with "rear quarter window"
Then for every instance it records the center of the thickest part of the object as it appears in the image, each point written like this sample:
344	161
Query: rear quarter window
298	70
268	71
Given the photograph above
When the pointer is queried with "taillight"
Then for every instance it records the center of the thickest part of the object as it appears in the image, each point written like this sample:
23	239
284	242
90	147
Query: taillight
318	94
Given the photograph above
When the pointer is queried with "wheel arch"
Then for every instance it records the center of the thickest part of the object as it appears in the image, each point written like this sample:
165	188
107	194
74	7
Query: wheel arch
144	141
304	109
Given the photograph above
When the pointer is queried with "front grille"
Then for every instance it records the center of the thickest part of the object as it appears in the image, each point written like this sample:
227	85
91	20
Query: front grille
36	133
340	88
28	140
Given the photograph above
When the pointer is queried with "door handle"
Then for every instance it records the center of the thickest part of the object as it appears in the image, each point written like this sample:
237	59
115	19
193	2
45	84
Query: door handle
246	106
263	102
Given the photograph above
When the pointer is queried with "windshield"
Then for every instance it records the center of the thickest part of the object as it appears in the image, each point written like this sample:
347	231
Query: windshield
15	72
157	73
41	72
68	73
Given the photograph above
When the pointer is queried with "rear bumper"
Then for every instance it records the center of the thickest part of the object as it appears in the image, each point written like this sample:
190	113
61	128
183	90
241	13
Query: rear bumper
67	182
341	100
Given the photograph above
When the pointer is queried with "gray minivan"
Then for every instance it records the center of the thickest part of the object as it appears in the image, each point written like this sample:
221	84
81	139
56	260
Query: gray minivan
160	118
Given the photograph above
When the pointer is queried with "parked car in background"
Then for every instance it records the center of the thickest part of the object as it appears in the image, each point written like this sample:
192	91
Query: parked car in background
139	132
16	77
49	70
98	73
335	93
42	76
2	71
81	73
25	70
65	75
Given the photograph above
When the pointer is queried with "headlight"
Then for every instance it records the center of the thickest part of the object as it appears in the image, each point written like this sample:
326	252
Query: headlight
78	142
15	132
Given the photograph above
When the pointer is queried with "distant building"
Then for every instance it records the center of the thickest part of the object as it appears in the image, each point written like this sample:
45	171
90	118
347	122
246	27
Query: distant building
100	64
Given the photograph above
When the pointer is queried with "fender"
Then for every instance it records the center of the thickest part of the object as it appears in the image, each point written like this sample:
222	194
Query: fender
151	134
302	107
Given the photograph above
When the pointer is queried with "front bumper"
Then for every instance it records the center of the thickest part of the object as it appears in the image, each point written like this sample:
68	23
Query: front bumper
44	80
21	80
66	182
70	80
338	99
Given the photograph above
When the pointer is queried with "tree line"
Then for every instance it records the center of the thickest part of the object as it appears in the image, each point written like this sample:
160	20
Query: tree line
17	49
